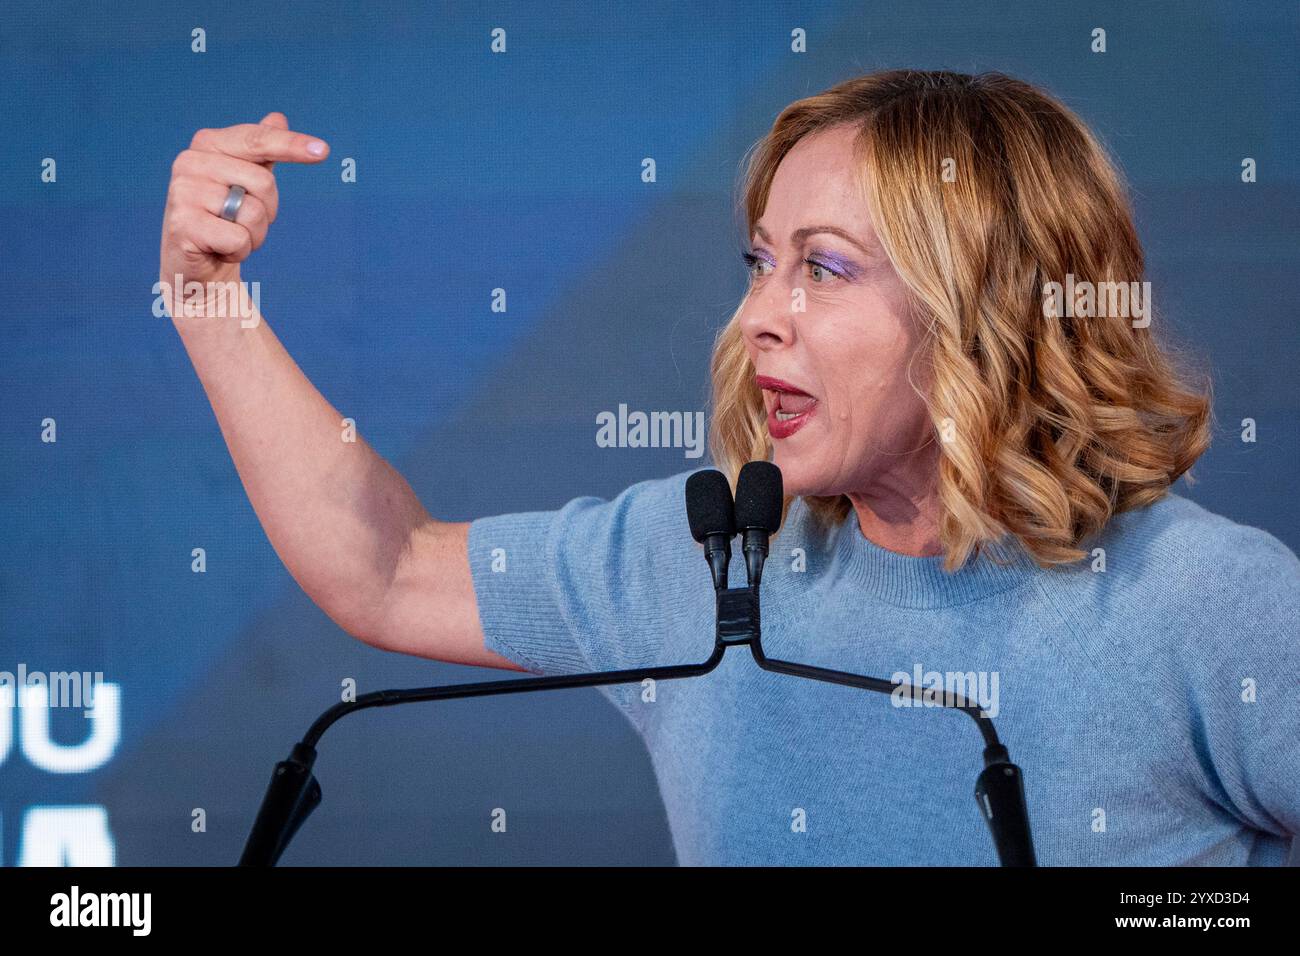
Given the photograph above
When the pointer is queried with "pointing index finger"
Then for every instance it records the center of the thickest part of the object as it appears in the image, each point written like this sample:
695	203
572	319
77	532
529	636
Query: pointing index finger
258	143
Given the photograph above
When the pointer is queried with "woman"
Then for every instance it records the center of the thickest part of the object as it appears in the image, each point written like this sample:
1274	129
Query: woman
979	474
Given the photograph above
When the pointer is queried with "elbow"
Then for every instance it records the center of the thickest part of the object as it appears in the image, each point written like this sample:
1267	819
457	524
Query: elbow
359	619
369	625
362	630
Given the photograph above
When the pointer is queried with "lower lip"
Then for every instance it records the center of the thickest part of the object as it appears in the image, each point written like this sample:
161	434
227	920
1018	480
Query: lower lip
784	429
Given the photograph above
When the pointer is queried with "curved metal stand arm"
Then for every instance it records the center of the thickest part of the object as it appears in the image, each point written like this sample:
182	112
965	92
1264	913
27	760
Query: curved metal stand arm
294	793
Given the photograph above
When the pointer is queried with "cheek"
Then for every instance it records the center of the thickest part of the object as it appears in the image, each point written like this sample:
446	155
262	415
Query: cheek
861	366
865	375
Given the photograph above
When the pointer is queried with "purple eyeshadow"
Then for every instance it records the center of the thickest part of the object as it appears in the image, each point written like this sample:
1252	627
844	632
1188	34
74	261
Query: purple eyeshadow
836	264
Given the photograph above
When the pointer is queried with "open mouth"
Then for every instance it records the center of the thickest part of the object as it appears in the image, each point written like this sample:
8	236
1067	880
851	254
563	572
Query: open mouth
788	406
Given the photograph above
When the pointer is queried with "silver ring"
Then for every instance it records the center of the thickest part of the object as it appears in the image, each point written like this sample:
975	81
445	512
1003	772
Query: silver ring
234	199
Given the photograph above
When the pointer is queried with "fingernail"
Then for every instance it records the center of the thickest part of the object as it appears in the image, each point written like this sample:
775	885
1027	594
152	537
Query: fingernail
316	148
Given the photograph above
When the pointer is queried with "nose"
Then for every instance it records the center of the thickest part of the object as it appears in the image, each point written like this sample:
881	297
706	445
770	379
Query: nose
767	319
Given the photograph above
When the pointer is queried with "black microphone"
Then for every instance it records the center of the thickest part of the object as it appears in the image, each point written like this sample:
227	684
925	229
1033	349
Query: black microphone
759	497
712	520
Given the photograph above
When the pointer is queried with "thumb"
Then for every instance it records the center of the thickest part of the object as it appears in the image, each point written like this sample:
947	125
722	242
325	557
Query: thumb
279	121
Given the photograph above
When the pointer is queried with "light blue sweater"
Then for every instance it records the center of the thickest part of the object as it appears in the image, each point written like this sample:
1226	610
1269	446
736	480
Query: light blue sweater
1153	706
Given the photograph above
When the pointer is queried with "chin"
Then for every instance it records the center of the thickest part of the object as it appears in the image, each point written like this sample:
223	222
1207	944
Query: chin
798	475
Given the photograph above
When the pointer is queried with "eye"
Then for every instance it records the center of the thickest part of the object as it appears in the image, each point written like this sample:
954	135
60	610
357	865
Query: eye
752	260
825	277
825	269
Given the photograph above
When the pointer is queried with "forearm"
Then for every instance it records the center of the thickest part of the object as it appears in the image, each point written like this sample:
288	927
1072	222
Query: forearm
337	514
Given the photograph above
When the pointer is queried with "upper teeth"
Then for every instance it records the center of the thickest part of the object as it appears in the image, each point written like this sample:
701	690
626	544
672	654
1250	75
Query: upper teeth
786	416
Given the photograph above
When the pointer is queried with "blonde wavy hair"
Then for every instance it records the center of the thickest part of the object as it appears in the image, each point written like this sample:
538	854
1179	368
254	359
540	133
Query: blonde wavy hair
1059	423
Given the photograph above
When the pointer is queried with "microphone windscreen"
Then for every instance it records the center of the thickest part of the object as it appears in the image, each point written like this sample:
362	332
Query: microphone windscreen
708	505
759	493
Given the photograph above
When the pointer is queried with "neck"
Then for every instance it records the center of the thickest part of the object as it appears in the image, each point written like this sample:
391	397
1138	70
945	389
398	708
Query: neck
901	514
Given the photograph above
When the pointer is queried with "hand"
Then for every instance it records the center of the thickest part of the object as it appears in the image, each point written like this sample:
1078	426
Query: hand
197	244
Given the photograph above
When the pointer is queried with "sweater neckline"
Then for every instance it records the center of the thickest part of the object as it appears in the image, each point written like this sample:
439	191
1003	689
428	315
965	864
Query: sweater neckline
922	582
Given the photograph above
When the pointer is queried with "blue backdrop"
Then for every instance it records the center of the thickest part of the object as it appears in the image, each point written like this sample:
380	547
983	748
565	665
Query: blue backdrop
519	170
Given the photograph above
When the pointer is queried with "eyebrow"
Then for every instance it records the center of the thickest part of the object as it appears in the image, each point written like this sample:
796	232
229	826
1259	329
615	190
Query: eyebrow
799	235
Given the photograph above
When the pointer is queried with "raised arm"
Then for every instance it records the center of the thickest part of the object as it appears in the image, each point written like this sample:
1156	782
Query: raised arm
344	522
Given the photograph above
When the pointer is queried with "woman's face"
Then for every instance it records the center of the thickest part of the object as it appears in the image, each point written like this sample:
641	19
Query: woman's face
827	314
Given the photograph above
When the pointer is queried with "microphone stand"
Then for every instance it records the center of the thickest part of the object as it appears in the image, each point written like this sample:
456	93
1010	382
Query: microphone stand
294	793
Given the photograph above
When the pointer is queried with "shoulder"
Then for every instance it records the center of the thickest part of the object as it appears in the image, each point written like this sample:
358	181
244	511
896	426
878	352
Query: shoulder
644	517
590	585
1177	565
1179	542
654	508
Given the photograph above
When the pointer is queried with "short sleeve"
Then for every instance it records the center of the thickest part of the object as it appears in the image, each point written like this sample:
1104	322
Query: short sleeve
588	587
